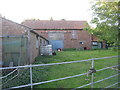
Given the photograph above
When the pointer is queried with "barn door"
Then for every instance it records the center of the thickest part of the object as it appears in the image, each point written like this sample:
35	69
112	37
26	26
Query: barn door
56	44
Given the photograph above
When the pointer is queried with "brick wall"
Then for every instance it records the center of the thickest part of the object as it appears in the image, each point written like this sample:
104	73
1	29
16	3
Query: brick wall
34	51
0	51
95	38
82	36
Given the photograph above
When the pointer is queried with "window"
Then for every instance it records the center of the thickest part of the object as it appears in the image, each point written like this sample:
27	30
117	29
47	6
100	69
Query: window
1	62
74	34
36	43
81	42
95	43
40	40
44	42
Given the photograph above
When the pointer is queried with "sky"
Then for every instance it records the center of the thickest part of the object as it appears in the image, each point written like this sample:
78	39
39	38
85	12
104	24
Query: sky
20	10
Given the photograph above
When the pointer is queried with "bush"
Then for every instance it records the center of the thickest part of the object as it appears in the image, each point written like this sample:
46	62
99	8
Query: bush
113	48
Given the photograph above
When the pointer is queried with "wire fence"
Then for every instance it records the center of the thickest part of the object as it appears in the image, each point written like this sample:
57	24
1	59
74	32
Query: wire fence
78	75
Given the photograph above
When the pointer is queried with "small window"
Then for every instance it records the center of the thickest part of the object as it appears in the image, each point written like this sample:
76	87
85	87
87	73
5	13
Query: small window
81	42
44	42
36	43
40	40
74	34
95	43
1	62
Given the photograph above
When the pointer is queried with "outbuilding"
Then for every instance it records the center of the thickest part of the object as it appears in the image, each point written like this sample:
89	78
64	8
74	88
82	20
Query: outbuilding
62	33
19	44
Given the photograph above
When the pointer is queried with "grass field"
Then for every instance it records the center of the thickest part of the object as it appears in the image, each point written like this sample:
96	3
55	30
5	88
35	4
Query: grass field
45	73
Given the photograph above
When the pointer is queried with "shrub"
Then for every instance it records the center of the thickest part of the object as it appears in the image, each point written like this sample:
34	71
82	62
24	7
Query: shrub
113	48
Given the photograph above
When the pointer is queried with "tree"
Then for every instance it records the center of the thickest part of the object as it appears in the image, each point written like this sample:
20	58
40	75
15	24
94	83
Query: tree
106	18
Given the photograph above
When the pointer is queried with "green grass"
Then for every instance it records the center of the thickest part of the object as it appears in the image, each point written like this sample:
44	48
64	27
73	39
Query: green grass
45	73
64	56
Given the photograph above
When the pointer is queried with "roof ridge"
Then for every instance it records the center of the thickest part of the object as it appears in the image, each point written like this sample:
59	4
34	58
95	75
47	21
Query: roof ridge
16	23
55	24
59	20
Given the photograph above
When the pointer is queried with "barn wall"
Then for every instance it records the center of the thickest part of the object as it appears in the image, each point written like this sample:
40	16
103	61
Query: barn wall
14	49
96	39
0	51
35	43
69	42
81	36
85	36
10	28
0	42
34	51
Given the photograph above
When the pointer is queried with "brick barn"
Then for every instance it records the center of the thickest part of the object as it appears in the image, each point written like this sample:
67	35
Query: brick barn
19	45
62	33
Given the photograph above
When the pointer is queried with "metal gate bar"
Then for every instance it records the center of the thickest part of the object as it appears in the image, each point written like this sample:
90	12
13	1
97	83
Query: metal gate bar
32	84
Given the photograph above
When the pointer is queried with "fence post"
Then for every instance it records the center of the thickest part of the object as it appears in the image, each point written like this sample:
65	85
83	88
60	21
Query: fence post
31	77
92	78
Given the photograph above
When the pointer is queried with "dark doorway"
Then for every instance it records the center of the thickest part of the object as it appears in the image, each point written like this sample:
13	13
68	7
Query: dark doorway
85	48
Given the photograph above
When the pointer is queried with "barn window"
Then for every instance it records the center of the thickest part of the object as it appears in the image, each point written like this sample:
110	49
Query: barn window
95	43
44	42
74	34
81	42
40	40
36	43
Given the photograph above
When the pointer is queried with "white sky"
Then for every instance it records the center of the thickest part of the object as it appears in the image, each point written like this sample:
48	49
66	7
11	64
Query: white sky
19	10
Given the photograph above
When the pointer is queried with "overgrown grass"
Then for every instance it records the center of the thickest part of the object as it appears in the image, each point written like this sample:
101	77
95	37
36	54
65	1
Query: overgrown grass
45	73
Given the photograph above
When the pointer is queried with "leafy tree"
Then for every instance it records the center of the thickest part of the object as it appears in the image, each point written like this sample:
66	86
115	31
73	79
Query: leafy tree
106	18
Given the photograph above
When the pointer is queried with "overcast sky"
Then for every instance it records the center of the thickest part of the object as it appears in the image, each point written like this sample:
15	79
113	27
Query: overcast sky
19	10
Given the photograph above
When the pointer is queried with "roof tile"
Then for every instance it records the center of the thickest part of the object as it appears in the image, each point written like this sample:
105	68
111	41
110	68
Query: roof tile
51	24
